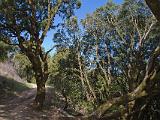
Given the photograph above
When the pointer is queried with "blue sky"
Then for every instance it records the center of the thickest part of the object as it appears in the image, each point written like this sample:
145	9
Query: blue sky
88	6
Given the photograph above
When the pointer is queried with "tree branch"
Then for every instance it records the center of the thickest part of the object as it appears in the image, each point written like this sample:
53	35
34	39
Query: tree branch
139	92
51	14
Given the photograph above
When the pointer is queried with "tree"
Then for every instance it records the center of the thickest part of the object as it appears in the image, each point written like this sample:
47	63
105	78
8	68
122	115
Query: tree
118	56
23	67
134	53
25	23
4	50
154	5
73	67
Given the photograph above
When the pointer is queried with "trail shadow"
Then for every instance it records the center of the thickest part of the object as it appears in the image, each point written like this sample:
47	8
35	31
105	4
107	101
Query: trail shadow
10	97
16	99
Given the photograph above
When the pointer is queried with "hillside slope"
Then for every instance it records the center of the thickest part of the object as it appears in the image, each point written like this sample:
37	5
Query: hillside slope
10	83
7	70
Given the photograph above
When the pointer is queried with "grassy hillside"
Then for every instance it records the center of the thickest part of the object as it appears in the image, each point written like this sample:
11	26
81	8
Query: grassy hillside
11	85
7	70
10	82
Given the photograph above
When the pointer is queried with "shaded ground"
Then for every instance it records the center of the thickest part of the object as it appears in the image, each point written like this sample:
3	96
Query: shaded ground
19	108
16	97
16	103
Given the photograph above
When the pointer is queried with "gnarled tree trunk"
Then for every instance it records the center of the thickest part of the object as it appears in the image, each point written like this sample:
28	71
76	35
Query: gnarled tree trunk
41	78
41	91
40	67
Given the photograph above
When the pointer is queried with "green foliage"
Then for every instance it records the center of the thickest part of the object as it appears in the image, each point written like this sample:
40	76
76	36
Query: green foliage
115	45
106	60
24	67
4	51
62	77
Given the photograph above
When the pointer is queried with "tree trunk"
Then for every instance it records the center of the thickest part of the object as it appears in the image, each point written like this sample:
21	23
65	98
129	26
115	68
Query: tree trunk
107	75
40	95
83	76
154	5
40	67
41	78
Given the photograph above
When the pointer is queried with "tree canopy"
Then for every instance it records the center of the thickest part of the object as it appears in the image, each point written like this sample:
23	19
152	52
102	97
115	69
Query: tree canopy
107	66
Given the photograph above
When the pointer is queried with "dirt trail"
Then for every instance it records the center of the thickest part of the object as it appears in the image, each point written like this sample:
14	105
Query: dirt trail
19	108
19	105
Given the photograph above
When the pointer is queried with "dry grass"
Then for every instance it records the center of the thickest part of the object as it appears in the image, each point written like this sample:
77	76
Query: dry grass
7	70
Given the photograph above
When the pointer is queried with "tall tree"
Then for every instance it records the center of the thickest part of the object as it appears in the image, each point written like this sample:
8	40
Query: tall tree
72	40
25	23
134	50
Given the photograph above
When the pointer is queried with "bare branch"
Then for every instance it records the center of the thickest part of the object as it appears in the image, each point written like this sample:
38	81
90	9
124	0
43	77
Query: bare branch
52	12
147	32
112	20
48	52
